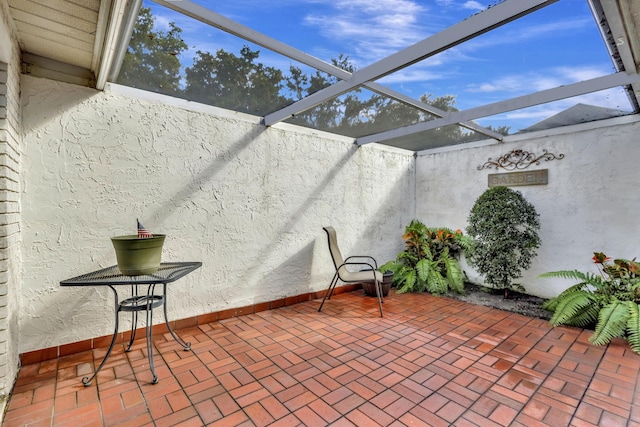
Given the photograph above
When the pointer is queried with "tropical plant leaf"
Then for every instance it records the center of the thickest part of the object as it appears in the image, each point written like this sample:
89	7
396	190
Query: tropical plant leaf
585	317
550	304
425	251
392	265
465	242
429	251
455	276
420	286
423	268
584	278
408	282
407	258
612	322
633	326
571	305
436	283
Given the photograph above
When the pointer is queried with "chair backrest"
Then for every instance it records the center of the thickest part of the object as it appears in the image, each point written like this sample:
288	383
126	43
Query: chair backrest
336	255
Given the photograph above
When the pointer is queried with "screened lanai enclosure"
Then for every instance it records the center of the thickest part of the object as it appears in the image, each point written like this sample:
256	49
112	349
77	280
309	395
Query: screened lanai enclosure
240	129
410	74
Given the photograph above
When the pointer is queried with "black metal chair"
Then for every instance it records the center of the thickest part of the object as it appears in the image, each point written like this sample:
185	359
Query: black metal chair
369	274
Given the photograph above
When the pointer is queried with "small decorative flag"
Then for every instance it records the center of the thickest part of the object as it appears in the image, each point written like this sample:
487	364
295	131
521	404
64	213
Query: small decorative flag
143	233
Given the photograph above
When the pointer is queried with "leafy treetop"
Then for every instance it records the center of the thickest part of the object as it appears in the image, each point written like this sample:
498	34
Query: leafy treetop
241	83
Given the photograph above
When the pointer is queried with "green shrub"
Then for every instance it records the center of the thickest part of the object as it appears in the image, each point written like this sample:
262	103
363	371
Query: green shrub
504	228
429	261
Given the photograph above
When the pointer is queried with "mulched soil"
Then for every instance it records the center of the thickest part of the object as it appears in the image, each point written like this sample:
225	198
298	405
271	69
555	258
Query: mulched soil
517	302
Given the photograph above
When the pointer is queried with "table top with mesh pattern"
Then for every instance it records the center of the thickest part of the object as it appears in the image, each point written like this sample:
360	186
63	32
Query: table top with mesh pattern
168	272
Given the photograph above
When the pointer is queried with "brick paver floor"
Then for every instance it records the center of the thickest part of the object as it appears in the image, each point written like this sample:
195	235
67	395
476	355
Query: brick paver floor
429	362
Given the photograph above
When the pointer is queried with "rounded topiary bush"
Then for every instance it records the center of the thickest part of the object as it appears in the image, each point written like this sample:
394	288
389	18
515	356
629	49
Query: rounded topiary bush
504	227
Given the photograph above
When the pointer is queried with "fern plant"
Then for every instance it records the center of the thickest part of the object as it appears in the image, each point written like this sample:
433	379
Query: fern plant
429	261
607	302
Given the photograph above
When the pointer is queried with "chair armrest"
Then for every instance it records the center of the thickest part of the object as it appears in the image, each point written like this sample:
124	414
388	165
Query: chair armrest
375	264
371	267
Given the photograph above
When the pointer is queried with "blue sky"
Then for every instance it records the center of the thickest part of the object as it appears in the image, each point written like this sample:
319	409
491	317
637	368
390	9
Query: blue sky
557	45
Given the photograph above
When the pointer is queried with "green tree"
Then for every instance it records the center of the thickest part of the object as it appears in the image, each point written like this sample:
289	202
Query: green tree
503	130
504	227
297	83
355	114
151	61
336	115
239	83
388	114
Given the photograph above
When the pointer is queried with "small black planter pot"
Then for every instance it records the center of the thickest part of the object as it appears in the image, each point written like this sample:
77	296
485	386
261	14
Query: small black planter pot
387	280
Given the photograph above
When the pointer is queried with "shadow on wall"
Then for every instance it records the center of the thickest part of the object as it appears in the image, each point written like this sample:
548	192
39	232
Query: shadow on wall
299	272
79	306
183	196
383	227
283	239
387	226
290	274
271	251
48	93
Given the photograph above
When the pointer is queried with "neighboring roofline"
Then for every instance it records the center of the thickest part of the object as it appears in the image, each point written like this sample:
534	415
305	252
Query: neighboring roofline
524	101
544	133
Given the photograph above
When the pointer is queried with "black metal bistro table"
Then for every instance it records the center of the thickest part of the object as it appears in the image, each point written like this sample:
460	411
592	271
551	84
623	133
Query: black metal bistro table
138	301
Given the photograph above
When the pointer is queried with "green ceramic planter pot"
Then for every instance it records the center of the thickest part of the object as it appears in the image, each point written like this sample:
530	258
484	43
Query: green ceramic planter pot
138	256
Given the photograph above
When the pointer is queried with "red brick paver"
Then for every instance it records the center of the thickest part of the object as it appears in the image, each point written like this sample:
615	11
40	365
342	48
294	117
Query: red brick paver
429	362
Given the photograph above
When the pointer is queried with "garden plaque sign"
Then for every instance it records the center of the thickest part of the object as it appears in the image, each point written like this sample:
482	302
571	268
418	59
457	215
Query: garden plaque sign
515	179
519	159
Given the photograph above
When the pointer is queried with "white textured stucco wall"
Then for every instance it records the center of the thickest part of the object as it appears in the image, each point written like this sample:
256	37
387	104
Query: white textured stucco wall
250	202
589	205
247	201
10	233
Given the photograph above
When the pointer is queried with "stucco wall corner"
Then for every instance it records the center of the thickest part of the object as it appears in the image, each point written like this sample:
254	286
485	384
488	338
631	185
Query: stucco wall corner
10	210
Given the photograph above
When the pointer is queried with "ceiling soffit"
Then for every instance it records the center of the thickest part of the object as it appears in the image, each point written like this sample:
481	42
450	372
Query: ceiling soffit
76	41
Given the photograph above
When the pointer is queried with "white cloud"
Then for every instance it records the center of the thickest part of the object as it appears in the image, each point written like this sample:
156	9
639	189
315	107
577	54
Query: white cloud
534	81
371	30
524	36
513	85
555	28
473	5
582	73
419	75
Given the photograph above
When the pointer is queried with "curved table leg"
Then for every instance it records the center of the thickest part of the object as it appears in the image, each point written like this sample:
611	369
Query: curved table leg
134	320
185	345
87	380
